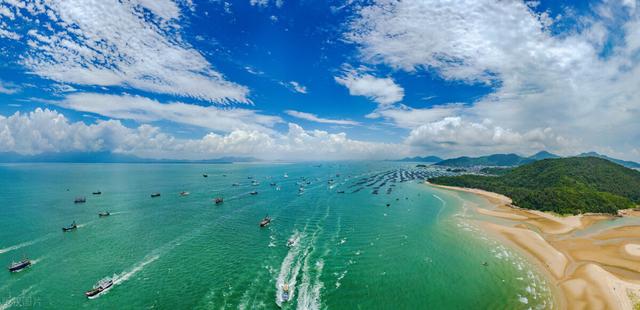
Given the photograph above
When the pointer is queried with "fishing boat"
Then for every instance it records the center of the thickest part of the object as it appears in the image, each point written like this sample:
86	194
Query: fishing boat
105	213
70	227
254	193
154	195
265	221
340	192
205	175
285	292
273	184
97	193
218	200
101	287
255	183
80	200
184	194
19	266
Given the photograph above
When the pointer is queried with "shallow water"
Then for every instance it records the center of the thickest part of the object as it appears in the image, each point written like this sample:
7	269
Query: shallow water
351	251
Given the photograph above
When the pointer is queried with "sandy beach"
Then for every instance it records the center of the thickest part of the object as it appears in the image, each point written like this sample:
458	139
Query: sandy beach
590	269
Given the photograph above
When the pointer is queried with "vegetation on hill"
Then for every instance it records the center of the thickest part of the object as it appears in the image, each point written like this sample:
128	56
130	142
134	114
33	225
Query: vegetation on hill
564	185
497	160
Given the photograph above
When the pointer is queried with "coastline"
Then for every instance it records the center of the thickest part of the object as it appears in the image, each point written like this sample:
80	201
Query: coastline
597	269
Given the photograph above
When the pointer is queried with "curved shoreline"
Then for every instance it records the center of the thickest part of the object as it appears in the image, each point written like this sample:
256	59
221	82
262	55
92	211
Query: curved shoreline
593	271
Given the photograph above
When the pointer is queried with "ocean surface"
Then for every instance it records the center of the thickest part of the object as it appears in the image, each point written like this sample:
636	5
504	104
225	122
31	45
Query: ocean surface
351	251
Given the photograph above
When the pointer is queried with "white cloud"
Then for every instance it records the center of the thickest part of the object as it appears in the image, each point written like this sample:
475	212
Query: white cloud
143	109
381	90
49	131
298	88
112	43
407	117
451	135
264	3
315	118
8	88
541	80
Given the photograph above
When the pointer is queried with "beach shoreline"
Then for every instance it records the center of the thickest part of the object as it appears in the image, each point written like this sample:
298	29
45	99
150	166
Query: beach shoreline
597	269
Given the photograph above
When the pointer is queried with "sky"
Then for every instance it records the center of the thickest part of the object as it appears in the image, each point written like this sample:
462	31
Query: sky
319	80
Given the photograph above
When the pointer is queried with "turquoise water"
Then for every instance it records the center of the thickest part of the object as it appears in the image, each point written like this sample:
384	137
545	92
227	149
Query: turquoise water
173	252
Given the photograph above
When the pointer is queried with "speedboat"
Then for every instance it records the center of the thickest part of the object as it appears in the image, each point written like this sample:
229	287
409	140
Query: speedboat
154	195
285	292
80	200
291	242
101	287
97	193
70	227
105	213
184	194
218	200
17	267
265	221
254	193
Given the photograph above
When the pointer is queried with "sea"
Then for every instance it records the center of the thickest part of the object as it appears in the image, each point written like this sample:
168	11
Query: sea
343	235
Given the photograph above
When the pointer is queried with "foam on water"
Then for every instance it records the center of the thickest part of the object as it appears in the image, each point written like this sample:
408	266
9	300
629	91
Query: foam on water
13	300
22	245
123	277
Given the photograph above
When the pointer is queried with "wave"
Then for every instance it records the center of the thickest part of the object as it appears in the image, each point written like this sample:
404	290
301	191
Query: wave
11	301
289	270
22	245
121	278
310	288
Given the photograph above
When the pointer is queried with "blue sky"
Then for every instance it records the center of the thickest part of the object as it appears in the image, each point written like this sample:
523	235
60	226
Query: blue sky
319	79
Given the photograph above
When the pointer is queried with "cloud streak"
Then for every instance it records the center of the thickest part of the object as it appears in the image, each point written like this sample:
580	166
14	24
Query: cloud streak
315	118
135	44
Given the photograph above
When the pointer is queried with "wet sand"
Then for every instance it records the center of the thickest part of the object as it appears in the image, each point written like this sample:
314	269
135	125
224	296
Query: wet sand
591	270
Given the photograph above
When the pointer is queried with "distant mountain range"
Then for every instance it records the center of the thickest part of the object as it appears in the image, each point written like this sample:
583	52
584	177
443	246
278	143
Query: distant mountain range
418	159
513	160
626	163
497	160
106	157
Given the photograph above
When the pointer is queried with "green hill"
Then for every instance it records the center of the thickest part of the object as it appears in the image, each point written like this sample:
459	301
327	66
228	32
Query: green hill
496	160
565	185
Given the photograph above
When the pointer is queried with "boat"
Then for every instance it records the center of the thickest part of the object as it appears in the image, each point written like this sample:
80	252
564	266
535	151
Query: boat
235	184
70	227
184	194
19	266
154	195
286	175
285	292
218	200
340	192
97	193
80	200
291	242
254	193
265	221
101	287
105	213
205	175
273	184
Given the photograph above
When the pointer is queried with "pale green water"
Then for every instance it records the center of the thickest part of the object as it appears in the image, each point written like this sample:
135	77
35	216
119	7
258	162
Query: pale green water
177	252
